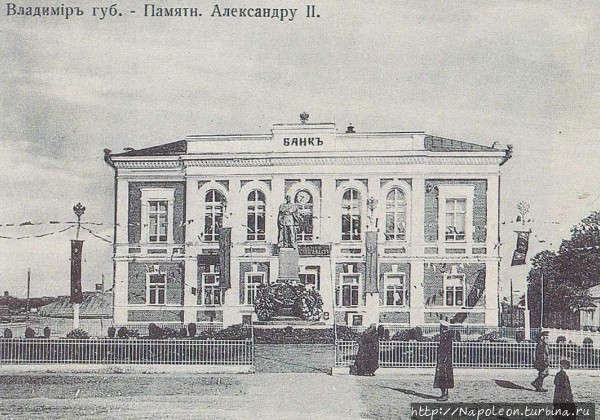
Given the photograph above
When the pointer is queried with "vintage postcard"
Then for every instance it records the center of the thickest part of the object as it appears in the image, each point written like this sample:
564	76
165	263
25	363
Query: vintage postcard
288	210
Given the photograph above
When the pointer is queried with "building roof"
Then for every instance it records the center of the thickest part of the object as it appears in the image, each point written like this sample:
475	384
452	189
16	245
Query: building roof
441	144
431	143
168	149
94	305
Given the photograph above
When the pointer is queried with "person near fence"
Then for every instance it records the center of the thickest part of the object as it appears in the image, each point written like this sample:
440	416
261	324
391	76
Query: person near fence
563	396
367	358
541	363
444	373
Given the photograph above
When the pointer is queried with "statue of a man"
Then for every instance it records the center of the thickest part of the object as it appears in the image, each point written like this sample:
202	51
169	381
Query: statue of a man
287	222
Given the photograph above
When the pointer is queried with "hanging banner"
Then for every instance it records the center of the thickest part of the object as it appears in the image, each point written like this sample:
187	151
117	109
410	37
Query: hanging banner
371	262
76	293
520	253
225	256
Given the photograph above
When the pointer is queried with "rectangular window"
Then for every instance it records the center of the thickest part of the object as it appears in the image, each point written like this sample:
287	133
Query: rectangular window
456	214
310	278
454	290
157	289
395	289
252	282
212	293
158	220
350	290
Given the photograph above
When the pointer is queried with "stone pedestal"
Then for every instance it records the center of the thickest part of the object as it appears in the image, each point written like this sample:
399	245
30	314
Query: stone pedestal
288	265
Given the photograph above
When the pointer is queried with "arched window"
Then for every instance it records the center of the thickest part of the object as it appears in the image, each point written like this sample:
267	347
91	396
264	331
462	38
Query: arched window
256	216
395	215
304	200
213	215
351	215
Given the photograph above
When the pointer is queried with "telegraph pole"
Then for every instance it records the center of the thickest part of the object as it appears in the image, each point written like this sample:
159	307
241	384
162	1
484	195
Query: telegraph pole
28	305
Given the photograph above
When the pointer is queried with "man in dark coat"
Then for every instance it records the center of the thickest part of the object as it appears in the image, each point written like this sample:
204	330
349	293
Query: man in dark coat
541	363
563	396
444	374
367	358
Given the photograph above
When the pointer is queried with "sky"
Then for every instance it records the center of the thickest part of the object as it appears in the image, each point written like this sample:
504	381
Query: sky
521	73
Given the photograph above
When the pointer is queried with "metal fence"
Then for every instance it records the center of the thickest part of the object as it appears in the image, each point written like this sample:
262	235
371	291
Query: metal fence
423	354
127	351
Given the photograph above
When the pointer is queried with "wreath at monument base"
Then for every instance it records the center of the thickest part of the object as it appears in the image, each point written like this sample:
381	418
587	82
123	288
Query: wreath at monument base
290	299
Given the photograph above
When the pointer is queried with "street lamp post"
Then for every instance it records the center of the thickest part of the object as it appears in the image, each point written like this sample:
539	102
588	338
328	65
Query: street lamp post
78	209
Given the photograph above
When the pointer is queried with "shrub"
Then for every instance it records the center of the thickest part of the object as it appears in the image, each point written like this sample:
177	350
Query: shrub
192	329
409	334
47	332
29	333
7	333
122	333
309	305
111	332
168	332
233	332
154	331
78	333
182	333
264	303
561	339
588	342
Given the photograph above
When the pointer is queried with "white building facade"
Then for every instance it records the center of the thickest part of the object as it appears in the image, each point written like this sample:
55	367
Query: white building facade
396	227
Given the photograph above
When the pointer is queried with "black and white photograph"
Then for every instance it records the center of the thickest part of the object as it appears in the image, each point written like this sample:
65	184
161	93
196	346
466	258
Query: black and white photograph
343	209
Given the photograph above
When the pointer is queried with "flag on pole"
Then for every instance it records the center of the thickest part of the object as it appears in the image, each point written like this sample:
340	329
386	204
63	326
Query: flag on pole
76	293
520	253
371	262
225	256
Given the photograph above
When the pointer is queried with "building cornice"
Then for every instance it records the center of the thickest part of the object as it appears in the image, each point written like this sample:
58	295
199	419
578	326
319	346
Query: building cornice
259	160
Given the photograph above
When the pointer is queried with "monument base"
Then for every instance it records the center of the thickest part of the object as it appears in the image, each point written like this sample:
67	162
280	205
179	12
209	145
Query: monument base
288	265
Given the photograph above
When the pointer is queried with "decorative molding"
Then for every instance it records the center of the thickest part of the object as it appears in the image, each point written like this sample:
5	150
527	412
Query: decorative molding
343	160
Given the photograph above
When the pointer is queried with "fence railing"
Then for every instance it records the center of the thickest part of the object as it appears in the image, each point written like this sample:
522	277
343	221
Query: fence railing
423	354
131	351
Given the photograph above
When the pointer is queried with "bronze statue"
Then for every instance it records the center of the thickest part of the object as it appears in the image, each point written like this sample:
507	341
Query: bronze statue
287	223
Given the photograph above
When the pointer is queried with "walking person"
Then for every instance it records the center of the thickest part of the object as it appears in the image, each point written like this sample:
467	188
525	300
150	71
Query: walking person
444	373
563	396
541	363
367	358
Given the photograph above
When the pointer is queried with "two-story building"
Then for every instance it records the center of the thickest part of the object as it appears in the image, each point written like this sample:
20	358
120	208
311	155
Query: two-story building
396	227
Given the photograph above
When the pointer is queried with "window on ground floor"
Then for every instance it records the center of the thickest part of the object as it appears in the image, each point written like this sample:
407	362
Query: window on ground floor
157	289
395	289
253	279
211	293
454	289
350	290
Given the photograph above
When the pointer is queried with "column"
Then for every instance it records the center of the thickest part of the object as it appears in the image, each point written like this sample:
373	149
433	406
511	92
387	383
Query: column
276	198
417	300
122	204
120	292
231	304
191	280
237	214
493	201
491	293
417	203
329	222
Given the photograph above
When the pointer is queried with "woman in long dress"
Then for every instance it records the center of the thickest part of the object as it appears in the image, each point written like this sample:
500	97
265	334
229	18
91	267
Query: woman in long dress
367	358
444	374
